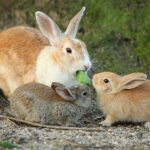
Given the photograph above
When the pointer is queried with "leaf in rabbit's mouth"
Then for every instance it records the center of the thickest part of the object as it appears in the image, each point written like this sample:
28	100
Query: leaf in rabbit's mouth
82	77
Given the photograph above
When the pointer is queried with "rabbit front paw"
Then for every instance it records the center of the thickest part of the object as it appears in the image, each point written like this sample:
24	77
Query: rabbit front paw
75	122
106	123
147	125
110	119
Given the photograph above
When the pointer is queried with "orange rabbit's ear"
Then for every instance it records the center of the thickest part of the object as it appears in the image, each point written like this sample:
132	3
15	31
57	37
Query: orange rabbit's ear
74	23
48	27
132	81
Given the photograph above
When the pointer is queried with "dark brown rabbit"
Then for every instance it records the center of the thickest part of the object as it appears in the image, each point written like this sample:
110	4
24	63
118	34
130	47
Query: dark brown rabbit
39	103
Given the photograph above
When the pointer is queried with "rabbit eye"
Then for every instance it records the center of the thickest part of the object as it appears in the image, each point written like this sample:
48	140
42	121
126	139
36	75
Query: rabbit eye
68	50
85	93
106	80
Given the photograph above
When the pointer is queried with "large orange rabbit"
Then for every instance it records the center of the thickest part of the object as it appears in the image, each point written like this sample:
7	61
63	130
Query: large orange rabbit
27	55
125	98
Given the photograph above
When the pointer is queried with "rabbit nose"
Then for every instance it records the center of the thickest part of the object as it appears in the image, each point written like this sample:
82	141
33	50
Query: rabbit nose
86	68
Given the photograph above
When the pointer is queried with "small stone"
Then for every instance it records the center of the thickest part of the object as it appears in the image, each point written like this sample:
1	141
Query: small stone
140	135
21	141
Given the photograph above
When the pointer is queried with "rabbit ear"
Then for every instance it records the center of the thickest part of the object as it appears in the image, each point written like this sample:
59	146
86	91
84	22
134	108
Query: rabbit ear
74	23
65	93
48	27
54	85
132	80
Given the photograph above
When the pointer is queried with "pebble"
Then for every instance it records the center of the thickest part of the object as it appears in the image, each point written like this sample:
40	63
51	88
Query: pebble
123	137
140	135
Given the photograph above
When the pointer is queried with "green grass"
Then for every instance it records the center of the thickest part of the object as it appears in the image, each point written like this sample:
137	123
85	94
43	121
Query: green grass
116	32
143	148
8	145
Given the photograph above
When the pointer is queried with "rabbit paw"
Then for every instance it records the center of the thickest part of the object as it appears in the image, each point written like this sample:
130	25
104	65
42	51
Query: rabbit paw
75	123
147	125
106	123
110	119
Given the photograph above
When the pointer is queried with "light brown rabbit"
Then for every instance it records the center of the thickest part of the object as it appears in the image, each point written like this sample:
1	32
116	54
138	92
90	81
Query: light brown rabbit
124	98
27	55
39	103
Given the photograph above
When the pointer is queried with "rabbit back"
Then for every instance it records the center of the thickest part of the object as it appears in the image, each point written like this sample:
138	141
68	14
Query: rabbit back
131	105
47	113
39	103
26	55
19	48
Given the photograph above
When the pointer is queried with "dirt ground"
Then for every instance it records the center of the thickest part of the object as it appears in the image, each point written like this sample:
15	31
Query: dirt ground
89	135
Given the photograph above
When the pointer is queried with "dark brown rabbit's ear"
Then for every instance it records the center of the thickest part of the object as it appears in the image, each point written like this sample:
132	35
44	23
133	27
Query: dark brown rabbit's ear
56	84
65	93
132	81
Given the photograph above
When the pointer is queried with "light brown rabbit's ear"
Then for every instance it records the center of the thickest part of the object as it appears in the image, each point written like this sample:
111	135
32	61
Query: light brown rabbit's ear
74	23
48	27
132	81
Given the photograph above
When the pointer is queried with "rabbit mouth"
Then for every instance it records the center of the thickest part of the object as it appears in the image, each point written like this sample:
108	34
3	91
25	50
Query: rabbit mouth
85	69
80	70
82	77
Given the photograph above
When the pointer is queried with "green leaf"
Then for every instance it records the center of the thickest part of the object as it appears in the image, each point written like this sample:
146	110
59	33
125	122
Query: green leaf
83	78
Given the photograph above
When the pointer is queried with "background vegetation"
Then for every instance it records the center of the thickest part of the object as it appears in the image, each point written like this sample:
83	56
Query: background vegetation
117	32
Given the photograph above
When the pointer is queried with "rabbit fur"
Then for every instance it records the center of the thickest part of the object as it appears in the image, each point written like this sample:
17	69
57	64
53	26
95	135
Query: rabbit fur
45	56
124	98
59	105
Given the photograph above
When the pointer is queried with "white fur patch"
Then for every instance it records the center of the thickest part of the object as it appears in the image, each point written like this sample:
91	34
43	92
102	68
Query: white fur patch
86	58
47	71
87	61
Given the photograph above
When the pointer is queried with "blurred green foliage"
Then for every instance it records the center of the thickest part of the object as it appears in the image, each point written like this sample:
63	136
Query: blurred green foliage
7	145
116	32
